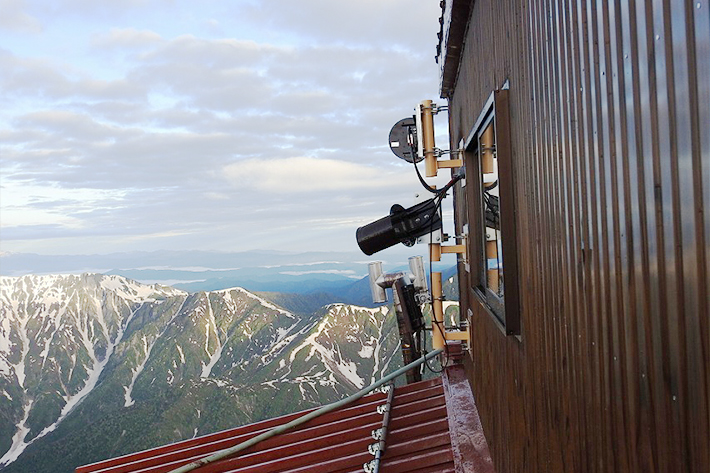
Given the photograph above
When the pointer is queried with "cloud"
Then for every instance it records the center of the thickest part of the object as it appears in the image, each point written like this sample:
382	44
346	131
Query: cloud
53	208
388	23
304	174
342	272
222	53
267	127
130	38
15	18
47	80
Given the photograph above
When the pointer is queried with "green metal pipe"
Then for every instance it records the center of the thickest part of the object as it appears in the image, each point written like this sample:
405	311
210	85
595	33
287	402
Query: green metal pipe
305	418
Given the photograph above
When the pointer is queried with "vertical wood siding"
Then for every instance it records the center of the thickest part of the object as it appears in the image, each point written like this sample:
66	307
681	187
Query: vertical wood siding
610	125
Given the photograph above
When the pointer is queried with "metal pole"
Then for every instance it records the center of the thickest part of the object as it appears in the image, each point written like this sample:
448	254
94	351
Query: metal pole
383	436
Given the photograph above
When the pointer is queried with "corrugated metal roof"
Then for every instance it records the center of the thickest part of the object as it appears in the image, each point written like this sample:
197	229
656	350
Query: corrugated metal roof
419	440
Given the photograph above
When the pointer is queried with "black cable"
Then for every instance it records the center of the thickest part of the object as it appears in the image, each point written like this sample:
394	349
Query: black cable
456	177
435	323
433	190
429	219
426	363
421	179
433	318
440	194
440	325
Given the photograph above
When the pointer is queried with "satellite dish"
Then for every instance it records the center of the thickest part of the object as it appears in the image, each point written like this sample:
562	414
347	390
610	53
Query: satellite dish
403	140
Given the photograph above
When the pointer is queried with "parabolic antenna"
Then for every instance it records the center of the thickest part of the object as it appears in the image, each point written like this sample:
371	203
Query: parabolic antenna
403	140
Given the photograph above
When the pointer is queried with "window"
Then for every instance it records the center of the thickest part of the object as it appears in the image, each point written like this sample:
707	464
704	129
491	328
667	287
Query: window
491	214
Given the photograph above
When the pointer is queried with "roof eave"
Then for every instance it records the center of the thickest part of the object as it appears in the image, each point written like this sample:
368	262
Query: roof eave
454	21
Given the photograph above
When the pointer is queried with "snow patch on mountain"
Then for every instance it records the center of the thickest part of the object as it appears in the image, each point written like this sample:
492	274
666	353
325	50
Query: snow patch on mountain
366	351
20	365
136	292
182	353
18	440
211	323
135	372
283	340
331	357
93	375
148	349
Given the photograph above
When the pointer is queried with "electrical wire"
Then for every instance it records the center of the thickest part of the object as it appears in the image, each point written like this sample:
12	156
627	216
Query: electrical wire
434	322
421	179
433	190
426	364
440	194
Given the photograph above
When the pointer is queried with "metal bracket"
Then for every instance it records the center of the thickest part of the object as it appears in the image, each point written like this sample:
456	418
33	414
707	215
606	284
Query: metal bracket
449	163
422	298
373	448
464	256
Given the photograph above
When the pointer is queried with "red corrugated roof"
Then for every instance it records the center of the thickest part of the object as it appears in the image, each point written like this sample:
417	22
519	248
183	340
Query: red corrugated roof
418	440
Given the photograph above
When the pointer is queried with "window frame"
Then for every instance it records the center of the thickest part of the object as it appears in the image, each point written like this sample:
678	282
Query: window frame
504	310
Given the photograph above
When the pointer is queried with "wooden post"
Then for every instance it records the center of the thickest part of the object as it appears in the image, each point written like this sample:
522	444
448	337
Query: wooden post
435	251
492	253
487	145
428	138
454	249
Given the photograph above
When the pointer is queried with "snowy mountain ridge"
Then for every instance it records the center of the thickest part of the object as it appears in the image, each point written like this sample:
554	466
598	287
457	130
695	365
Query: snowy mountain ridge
79	319
89	357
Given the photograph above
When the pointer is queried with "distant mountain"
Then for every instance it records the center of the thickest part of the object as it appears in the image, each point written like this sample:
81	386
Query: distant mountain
301	304
275	283
336	273
355	293
95	366
15	264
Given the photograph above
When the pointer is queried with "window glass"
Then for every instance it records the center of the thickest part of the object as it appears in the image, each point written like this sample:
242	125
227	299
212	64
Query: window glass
491	226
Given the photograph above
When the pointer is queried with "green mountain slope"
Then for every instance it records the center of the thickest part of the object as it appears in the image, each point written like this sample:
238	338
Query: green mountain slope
95	366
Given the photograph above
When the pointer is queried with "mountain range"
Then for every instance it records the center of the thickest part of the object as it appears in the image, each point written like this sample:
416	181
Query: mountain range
95	366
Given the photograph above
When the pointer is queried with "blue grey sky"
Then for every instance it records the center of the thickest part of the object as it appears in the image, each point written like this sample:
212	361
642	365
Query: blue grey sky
211	125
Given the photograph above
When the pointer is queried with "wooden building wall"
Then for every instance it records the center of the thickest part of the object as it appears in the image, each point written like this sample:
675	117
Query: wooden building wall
610	130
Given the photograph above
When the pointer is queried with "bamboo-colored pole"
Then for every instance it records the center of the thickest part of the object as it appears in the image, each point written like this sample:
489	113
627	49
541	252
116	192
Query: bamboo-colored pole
435	251
487	148
458	335
449	163
453	249
428	138
492	254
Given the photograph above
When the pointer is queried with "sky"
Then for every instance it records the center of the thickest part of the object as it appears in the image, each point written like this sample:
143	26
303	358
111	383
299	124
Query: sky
213	125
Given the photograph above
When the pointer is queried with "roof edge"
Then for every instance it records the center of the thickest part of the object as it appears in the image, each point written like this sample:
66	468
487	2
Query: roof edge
468	442
455	18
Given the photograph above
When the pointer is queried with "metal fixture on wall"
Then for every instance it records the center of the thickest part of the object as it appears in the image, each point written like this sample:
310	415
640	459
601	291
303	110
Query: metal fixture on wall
409	292
412	139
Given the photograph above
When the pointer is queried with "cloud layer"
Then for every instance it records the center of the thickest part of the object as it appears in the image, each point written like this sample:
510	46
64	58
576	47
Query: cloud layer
205	125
